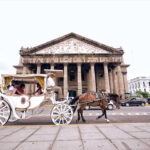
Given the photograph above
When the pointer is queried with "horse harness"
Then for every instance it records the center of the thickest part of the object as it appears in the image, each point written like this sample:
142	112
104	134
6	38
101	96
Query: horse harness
99	97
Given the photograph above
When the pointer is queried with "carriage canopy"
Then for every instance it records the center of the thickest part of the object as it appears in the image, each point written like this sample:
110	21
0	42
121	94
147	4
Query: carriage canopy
29	78
26	78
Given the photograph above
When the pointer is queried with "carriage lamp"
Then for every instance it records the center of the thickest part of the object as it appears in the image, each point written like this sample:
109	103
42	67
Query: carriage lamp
23	100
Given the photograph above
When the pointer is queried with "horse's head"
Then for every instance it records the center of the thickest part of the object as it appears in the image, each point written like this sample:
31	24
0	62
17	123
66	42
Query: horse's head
116	98
102	94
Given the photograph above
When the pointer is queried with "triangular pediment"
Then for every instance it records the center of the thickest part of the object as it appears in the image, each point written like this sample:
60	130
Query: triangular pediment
71	44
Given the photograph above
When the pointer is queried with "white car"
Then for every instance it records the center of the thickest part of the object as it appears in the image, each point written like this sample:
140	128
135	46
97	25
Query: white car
111	105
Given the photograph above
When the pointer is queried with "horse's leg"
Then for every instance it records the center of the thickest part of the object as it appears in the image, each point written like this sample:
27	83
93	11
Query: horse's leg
105	113
102	111
100	115
79	111
82	116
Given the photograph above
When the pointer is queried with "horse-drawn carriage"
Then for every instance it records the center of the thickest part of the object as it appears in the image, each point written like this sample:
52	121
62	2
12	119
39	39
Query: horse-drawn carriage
14	107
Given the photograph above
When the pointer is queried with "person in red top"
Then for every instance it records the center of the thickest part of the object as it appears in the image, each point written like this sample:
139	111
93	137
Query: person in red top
39	89
20	90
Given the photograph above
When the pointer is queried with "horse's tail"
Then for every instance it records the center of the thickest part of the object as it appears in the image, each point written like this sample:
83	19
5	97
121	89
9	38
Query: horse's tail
72	102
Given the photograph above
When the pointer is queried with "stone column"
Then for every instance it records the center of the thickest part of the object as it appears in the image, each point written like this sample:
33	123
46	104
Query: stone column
106	78
52	66
79	79
27	86
38	68
55	79
89	80
115	87
111	81
93	83
65	80
25	69
125	82
120	80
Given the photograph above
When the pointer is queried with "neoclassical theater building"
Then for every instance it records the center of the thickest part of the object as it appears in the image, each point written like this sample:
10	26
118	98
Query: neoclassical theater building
87	65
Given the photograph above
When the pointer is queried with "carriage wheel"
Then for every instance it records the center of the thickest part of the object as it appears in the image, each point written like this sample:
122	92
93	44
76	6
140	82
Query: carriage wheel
62	114
5	112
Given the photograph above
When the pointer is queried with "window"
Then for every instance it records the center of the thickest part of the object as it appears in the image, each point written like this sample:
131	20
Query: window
72	75
144	84
149	84
138	84
132	86
135	86
83	75
60	80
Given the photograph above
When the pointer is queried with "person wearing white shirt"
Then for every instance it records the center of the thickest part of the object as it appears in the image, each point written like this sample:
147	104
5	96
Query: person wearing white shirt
50	83
14	89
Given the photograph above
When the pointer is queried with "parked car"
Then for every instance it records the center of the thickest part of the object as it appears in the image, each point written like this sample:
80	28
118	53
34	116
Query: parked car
133	102
148	100
111	105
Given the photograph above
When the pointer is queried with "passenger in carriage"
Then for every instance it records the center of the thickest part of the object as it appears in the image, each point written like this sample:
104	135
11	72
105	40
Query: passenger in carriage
20	90
14	88
8	86
39	90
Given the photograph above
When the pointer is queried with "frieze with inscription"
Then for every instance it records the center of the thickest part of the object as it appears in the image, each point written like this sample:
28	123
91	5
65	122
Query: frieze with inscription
71	59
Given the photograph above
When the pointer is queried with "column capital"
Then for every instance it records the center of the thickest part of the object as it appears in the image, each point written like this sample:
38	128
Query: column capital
124	73
39	64
105	63
65	64
92	64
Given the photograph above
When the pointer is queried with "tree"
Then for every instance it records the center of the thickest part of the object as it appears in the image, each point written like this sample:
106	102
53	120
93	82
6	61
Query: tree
144	94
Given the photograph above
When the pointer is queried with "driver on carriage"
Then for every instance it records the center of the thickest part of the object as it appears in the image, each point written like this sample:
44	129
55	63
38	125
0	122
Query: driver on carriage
50	84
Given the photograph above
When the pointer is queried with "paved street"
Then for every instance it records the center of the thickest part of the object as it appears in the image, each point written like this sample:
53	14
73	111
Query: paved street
120	134
123	115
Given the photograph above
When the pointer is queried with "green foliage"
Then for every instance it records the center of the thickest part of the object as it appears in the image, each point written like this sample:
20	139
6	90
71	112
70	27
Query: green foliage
143	94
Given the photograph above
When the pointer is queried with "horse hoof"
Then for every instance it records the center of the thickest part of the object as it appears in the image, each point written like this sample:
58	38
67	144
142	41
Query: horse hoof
107	120
97	118
84	121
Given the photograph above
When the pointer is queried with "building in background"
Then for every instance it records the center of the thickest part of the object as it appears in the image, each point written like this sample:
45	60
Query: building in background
88	65
139	84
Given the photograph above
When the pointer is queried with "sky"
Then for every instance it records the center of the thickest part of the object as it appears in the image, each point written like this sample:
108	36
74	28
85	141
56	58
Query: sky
116	23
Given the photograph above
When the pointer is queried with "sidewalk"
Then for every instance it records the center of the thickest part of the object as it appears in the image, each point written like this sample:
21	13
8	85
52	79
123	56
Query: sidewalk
135	136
